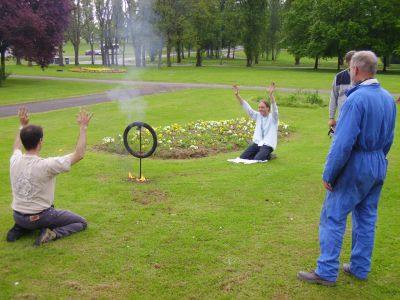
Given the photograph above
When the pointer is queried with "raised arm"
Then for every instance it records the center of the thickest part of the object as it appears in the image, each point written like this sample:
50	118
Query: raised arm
271	90
83	122
24	121
274	107
236	93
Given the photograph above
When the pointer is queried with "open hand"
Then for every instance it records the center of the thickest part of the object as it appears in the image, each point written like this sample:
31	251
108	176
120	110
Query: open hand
328	186
23	116
271	88
235	90
84	117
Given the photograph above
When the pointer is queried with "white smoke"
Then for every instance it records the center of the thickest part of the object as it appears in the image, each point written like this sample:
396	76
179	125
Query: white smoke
130	103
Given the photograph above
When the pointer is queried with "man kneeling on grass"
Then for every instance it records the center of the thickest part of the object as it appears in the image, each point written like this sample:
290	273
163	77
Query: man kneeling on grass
33	183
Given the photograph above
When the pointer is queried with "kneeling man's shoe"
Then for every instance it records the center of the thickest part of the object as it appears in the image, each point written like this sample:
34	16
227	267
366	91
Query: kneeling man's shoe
346	270
16	233
311	277
46	235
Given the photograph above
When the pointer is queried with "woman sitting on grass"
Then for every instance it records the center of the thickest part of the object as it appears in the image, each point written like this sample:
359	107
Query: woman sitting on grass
265	136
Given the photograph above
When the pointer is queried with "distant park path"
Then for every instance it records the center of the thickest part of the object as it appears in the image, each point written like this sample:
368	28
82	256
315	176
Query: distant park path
144	88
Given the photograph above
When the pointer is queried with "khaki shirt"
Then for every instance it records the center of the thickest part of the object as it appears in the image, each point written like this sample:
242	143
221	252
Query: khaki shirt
33	180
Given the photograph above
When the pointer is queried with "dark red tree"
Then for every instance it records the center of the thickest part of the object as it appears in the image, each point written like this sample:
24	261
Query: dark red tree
32	29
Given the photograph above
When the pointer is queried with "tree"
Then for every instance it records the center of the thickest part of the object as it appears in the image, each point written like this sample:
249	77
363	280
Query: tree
254	20
74	29
89	28
297	22
32	29
382	19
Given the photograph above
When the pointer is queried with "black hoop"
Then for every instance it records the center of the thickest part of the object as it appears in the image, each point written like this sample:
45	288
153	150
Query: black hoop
150	129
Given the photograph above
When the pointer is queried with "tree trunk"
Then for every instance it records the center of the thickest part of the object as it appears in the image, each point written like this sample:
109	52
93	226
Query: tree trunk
159	58
198	58
169	64
339	60
297	60
228	56
182	52
76	50
18	61
138	56
316	63
189	51
178	53
249	61
61	55
384	63
92	55
3	64
123	53
233	53
144	56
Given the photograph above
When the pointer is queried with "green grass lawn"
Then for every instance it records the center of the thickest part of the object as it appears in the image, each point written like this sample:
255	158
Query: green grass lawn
201	228
290	78
21	90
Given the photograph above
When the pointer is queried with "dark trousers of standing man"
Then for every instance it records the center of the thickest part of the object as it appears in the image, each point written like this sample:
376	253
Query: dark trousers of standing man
255	152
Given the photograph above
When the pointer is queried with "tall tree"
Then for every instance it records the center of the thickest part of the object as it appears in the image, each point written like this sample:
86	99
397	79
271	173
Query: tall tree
89	28
254	13
33	29
74	29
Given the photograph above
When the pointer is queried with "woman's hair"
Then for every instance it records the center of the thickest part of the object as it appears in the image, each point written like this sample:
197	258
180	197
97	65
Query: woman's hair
267	104
30	136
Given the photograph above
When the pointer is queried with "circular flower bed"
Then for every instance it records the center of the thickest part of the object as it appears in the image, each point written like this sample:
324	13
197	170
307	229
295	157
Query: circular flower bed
196	139
97	70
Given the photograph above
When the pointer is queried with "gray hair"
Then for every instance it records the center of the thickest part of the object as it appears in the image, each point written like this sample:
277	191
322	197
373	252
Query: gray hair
366	61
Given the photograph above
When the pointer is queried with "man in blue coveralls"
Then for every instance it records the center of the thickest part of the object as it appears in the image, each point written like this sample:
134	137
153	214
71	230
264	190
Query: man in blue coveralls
354	173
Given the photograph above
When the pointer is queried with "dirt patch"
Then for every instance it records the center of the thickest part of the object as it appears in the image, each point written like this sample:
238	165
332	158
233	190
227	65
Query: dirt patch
149	197
105	286
27	296
73	285
229	284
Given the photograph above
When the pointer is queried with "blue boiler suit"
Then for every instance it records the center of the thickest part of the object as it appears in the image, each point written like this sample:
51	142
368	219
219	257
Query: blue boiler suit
356	168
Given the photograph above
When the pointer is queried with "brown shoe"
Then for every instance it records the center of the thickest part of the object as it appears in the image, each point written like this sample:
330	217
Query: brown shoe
346	270
311	277
45	236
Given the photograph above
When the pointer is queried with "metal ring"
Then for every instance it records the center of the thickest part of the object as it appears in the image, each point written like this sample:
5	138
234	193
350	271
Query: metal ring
135	153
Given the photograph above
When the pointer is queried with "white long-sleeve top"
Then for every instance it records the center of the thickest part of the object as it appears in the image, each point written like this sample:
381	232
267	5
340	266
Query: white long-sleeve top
266	132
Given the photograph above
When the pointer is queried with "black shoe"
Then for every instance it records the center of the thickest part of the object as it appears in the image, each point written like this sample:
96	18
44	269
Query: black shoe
272	156
346	270
311	277
46	235
16	233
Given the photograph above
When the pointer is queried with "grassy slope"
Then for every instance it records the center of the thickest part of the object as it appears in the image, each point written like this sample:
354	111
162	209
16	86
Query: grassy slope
211	230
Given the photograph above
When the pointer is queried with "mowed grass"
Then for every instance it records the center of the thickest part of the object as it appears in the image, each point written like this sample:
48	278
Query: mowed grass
199	229
300	78
21	90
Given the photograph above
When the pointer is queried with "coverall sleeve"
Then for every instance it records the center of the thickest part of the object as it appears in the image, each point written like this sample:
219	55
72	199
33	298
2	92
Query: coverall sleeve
347	131
389	142
251	112
333	102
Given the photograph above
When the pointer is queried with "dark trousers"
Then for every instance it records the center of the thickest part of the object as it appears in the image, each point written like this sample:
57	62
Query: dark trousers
62	222
255	152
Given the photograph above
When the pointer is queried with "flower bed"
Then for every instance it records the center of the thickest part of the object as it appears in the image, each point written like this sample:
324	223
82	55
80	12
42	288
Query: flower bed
97	70
196	139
